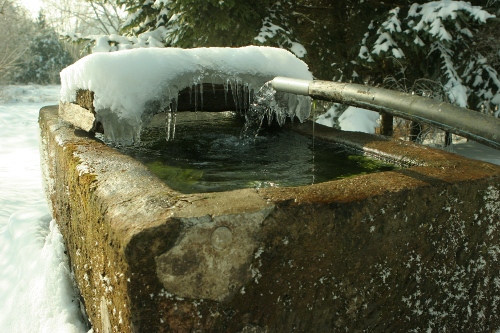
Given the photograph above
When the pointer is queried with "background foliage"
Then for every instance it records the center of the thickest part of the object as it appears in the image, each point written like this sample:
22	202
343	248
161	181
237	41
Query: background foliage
46	57
451	43
393	43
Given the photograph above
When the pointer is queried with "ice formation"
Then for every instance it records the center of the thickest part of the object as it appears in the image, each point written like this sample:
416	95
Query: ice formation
273	105
126	84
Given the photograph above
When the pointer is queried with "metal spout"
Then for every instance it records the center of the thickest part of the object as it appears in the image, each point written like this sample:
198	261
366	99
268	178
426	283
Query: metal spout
458	120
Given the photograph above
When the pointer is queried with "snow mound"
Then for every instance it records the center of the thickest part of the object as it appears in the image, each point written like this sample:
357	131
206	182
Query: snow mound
359	120
126	82
36	287
352	119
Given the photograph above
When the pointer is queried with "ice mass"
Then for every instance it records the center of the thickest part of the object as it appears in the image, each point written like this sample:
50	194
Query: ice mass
124	83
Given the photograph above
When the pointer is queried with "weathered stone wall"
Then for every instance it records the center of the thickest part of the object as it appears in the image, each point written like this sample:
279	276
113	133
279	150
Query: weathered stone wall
405	250
404	261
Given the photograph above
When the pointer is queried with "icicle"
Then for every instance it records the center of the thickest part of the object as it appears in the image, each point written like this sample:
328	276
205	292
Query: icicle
250	98
213	83
226	89
168	123
174	104
170	119
174	114
239	87
246	92
195	96
237	95
233	92
201	96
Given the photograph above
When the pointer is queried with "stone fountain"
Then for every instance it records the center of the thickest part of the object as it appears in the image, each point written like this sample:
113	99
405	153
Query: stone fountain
411	249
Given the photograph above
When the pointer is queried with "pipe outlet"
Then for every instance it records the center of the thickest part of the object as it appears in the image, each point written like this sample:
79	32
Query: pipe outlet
293	86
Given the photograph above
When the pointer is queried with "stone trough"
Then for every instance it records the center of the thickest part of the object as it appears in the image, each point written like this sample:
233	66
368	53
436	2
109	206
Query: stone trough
408	250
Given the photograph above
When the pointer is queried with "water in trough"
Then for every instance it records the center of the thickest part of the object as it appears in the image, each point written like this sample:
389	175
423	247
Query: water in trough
208	154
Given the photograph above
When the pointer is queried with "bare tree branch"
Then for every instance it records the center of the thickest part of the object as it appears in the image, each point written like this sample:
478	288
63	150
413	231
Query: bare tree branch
98	18
108	16
86	17
11	58
15	27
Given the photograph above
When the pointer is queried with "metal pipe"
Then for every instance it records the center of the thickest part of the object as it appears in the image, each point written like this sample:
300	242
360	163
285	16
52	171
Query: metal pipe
294	86
461	121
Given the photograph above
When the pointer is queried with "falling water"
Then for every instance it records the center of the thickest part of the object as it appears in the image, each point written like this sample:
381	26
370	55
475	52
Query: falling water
273	105
313	151
266	103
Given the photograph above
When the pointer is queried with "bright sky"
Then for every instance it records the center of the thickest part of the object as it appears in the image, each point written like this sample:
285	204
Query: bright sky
32	5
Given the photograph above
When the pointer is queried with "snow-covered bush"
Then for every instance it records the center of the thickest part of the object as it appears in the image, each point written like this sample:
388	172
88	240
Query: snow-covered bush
197	23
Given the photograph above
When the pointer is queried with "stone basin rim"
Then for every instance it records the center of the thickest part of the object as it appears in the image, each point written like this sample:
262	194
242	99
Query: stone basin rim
115	214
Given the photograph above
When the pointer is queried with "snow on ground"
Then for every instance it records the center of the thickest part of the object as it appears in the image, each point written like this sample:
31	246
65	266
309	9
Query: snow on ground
36	290
352	119
356	119
477	151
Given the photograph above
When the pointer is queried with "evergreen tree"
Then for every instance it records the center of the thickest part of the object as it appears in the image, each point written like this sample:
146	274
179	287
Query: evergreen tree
436	41
366	41
198	23
195	23
47	57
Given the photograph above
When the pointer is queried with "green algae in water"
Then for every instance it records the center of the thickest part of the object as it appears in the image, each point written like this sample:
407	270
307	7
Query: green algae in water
182	179
208	155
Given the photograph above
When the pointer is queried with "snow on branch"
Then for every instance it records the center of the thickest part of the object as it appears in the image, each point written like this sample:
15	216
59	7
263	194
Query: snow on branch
434	40
456	91
275	27
385	43
485	81
430	17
